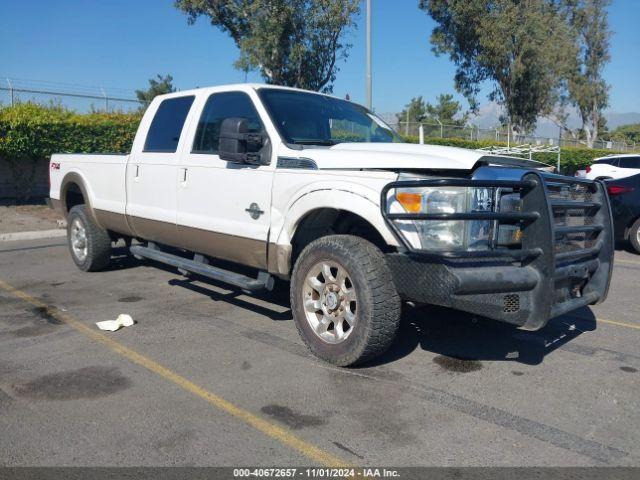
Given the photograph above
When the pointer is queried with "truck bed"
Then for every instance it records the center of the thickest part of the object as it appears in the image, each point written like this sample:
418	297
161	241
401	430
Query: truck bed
103	175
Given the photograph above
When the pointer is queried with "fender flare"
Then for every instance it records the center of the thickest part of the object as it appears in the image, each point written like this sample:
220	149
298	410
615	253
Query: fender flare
357	203
338	199
74	177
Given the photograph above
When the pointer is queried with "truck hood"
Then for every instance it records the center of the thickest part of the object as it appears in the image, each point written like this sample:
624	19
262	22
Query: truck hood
350	156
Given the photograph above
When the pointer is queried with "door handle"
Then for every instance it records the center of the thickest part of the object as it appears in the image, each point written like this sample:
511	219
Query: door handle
183	175
137	174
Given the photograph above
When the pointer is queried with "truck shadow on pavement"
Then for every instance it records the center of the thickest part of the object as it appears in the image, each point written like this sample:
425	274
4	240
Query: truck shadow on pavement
279	296
459	340
454	335
121	259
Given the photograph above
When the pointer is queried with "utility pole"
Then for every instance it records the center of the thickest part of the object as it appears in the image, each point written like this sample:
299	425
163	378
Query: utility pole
559	148
369	102
406	124
10	91
106	100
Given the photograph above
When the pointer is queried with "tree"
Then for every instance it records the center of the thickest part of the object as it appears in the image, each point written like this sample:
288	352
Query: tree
446	110
158	86
627	133
588	91
414	112
523	47
296	43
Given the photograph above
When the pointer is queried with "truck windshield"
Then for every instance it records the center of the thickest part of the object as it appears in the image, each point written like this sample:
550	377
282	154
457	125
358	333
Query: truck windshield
312	119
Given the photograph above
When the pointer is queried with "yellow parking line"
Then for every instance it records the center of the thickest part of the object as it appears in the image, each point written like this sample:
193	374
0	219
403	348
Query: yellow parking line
620	324
635	326
631	262
270	429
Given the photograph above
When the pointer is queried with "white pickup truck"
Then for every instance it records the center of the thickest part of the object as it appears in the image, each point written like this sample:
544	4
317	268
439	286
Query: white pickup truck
319	191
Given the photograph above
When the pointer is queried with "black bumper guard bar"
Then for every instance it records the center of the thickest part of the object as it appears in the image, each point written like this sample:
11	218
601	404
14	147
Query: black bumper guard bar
527	285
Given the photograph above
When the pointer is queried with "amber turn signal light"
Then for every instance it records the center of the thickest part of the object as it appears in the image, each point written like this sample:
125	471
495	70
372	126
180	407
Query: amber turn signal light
412	202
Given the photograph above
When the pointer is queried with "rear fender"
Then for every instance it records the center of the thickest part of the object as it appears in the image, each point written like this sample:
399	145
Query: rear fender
75	177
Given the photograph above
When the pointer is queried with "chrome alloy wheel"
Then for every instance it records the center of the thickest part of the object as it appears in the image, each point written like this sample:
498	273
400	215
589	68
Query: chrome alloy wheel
79	239
330	302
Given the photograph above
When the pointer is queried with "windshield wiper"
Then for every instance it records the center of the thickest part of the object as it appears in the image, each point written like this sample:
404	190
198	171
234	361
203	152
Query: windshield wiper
316	142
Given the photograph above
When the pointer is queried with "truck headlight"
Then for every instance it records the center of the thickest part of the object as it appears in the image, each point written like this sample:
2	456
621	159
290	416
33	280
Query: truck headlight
441	235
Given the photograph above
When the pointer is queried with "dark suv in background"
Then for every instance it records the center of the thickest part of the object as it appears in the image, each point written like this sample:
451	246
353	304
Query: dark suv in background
624	194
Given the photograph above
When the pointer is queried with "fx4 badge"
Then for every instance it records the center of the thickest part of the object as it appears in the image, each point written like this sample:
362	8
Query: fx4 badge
254	211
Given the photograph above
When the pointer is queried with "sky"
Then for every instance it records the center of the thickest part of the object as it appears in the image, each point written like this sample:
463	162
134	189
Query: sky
122	43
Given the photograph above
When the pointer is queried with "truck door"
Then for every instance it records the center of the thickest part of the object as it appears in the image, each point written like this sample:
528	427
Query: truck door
223	207
153	169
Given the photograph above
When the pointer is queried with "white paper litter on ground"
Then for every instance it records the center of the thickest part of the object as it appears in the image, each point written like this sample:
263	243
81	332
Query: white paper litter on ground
123	320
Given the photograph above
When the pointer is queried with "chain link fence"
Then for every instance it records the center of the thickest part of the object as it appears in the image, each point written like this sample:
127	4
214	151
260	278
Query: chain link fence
80	98
472	132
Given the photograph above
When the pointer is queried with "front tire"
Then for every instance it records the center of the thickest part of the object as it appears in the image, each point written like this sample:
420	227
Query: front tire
344	302
89	244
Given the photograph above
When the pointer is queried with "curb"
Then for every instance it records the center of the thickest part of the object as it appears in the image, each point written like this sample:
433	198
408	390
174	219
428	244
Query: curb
12	237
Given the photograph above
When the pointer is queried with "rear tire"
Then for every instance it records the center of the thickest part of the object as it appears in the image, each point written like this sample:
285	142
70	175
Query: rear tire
89	244
344	302
634	235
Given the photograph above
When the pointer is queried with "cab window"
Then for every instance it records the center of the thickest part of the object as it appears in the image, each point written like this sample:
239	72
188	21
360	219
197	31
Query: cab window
218	107
166	126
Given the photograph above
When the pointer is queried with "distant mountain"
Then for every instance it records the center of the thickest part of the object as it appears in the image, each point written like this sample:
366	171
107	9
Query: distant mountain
614	119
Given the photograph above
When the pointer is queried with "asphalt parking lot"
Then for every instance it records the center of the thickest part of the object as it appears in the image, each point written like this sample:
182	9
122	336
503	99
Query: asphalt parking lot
209	376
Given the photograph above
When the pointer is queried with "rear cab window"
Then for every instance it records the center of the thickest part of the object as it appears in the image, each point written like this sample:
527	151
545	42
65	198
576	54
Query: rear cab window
167	124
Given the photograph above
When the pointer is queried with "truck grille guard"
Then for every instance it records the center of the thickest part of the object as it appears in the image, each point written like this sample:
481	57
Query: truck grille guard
567	244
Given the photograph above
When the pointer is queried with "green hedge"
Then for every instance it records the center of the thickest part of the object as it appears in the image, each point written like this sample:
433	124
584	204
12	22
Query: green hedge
571	158
30	133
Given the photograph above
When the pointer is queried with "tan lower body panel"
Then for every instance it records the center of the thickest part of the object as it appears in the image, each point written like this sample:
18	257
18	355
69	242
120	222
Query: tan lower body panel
154	230
245	251
116	222
279	257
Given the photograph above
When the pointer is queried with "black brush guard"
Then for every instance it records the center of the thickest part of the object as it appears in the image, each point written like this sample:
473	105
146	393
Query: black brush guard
564	261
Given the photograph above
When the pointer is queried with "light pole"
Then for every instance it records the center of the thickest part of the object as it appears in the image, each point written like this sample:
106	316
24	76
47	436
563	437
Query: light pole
559	148
369	102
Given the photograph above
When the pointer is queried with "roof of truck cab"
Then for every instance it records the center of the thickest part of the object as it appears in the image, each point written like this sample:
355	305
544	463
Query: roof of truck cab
446	157
241	87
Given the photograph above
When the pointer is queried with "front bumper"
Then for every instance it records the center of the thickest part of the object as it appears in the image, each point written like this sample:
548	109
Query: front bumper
564	262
